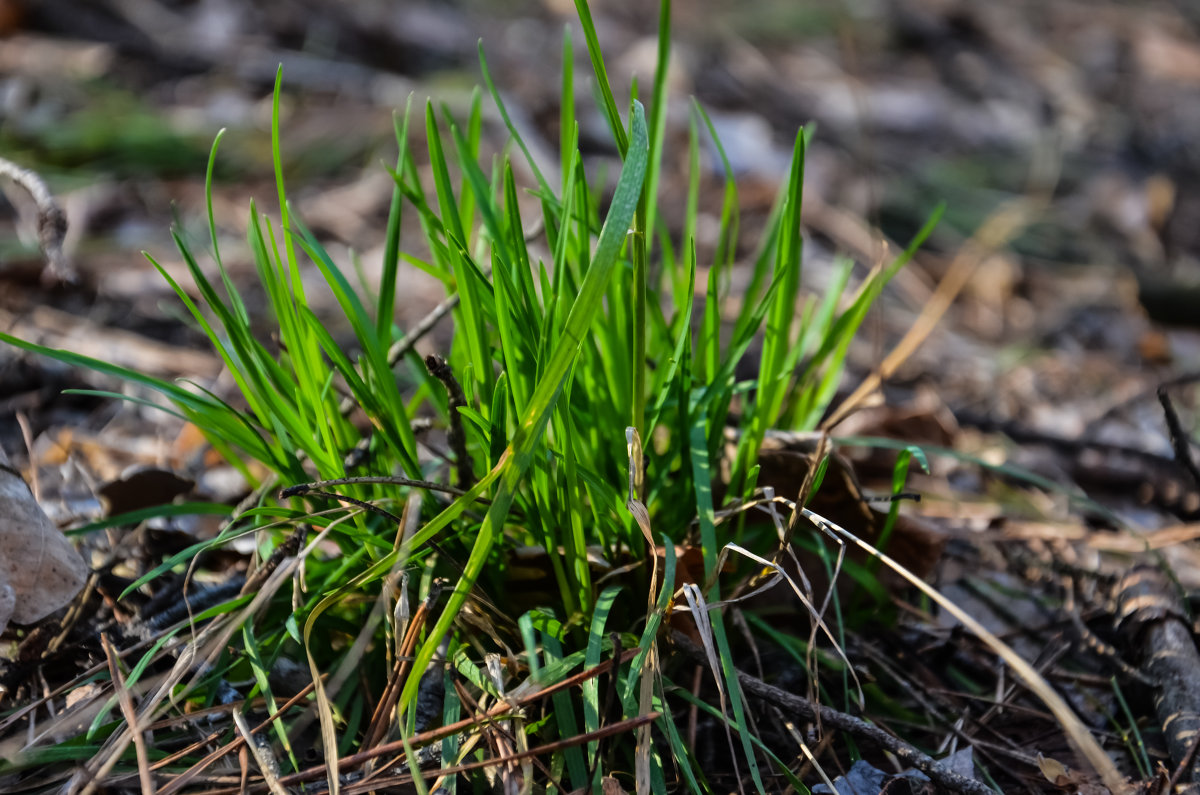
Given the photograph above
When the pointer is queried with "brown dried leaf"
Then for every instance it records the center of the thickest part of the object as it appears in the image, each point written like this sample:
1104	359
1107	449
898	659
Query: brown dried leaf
39	569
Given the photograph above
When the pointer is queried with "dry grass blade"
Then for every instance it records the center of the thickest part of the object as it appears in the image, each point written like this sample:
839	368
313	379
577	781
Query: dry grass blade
382	719
380	784
818	616
699	609
832	719
206	645
324	708
650	663
1077	733
89	779
517	698
123	698
996	231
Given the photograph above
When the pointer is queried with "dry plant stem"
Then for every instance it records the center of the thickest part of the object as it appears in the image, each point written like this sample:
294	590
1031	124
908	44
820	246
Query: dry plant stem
207	644
51	221
494	726
549	748
996	231
832	719
145	779
1078	735
384	710
91	776
383	784
496	711
1149	614
440	370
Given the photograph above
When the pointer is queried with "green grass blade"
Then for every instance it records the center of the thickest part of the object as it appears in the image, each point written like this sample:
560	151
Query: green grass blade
727	238
567	132
773	372
658	114
478	186
391	245
277	160
608	104
508	122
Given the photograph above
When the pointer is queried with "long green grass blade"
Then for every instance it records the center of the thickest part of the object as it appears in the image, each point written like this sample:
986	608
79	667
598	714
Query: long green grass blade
391	246
608	104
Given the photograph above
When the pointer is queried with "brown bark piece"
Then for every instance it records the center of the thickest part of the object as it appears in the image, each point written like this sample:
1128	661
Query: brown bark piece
39	569
1149	613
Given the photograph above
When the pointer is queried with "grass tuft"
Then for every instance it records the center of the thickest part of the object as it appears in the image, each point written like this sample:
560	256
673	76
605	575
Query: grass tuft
551	363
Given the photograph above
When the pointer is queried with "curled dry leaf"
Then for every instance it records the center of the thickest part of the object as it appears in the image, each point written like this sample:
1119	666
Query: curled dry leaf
39	569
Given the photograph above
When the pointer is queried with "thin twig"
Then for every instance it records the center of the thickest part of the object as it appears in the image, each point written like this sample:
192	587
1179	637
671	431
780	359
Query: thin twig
440	370
402	346
395	353
1184	765
305	488
366	506
1179	439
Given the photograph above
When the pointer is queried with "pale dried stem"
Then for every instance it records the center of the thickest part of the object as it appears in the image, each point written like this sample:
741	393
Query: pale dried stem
51	220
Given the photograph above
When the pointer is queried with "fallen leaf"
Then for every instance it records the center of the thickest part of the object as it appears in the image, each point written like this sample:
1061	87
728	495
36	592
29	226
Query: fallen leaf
142	488
39	569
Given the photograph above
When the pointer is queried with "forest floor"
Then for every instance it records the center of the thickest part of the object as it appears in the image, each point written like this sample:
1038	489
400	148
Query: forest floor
1064	129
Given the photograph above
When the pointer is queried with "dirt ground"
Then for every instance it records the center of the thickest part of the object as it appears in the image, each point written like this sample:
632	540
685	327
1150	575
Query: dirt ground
1071	124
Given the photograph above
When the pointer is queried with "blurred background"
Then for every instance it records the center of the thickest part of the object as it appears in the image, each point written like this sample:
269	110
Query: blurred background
1085	110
